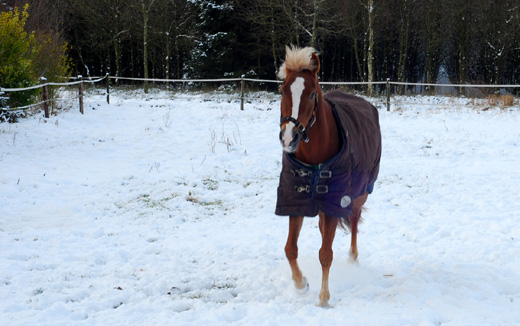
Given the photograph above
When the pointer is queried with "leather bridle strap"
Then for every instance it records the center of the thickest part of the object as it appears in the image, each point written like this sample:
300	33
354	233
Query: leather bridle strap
300	128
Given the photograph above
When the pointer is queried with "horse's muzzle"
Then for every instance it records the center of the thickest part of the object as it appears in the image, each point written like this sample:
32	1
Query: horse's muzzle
293	144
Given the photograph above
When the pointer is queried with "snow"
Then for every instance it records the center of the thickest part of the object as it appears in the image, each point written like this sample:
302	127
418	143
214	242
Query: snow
159	211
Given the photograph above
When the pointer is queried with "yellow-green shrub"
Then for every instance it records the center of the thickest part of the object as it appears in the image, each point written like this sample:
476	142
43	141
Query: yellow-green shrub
18	51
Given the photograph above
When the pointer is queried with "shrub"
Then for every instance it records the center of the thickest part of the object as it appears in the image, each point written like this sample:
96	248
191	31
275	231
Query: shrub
26	57
18	51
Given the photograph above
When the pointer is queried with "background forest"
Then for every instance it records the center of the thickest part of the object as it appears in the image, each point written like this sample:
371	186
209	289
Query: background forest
461	41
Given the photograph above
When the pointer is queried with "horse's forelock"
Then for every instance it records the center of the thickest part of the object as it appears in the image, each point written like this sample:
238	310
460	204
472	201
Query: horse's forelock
296	60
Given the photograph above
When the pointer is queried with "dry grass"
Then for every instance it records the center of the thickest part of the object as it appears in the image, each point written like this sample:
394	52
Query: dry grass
501	100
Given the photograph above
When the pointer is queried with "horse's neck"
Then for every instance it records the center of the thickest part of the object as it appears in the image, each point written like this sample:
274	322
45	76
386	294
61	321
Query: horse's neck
324	140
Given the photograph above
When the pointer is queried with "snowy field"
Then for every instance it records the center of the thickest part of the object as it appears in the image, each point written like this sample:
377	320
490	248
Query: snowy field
156	211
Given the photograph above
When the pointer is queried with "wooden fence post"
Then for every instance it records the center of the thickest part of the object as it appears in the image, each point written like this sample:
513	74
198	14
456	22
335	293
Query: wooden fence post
388	94
81	97
45	97
108	89
242	93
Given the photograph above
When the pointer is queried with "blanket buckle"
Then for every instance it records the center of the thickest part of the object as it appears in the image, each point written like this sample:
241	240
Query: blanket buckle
322	189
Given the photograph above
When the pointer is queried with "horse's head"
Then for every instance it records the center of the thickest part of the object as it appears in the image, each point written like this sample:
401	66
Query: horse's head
300	92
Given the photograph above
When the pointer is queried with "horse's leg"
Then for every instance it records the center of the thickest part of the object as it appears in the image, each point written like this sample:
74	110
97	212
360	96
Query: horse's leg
328	231
291	251
354	220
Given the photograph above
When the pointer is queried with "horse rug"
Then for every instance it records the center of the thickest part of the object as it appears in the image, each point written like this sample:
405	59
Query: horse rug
331	187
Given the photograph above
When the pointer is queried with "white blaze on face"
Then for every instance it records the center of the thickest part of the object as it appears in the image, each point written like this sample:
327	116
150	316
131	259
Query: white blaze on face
297	88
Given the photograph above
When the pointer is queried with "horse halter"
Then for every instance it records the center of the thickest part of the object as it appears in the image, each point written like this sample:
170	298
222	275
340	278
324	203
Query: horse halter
301	130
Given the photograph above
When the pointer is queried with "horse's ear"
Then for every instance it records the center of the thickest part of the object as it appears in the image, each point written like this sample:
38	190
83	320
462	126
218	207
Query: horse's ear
315	63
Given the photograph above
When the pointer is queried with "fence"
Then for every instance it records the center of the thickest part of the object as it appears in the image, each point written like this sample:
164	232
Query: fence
386	96
386	101
45	100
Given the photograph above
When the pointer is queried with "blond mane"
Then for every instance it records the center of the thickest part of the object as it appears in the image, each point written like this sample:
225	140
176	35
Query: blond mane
297	60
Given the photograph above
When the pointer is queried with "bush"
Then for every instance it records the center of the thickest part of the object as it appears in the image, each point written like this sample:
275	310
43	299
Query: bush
18	51
26	57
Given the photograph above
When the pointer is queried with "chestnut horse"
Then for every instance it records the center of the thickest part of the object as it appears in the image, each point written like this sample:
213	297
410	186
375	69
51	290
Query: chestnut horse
331	172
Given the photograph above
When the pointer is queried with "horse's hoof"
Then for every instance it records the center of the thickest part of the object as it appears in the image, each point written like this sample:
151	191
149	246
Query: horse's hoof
352	258
303	287
324	304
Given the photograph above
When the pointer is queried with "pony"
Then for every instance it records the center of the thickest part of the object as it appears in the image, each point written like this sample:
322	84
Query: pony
331	153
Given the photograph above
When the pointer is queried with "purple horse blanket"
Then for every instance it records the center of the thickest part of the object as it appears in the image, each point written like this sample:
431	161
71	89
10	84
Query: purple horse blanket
331	187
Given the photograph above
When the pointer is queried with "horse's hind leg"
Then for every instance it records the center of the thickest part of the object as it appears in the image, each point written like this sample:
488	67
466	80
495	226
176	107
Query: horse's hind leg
328	231
291	251
354	220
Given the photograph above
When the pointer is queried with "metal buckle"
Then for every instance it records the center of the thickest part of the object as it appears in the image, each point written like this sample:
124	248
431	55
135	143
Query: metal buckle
301	173
301	189
326	174
322	189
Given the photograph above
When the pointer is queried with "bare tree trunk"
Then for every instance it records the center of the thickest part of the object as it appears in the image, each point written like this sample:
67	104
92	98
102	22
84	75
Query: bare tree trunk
145	46
132	58
168	55
295	27
358	60
145	41
403	44
177	59
463	64
273	43
370	55
117	57
431	76
314	18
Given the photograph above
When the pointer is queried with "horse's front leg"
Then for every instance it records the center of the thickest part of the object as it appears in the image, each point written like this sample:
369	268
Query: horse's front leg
328	231
291	251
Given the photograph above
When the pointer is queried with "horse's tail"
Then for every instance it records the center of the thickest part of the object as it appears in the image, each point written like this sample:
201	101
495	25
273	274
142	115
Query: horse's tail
346	223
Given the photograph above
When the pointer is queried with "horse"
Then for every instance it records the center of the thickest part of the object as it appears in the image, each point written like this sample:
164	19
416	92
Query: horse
331	153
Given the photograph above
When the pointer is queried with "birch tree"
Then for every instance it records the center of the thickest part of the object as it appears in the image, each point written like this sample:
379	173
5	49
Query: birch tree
370	55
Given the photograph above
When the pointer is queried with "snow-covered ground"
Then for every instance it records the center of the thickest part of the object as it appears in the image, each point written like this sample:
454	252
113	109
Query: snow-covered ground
157	211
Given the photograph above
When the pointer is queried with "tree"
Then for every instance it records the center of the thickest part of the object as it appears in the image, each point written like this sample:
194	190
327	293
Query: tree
371	44
498	37
18	53
270	32
172	35
100	27
213	53
430	13
46	21
27	57
368	40
146	7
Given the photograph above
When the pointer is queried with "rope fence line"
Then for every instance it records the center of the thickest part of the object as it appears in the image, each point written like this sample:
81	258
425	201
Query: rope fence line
25	107
160	80
388	83
80	81
51	84
453	85
321	82
45	98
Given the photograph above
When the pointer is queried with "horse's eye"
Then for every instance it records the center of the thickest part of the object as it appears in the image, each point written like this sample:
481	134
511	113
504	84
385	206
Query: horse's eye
312	95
